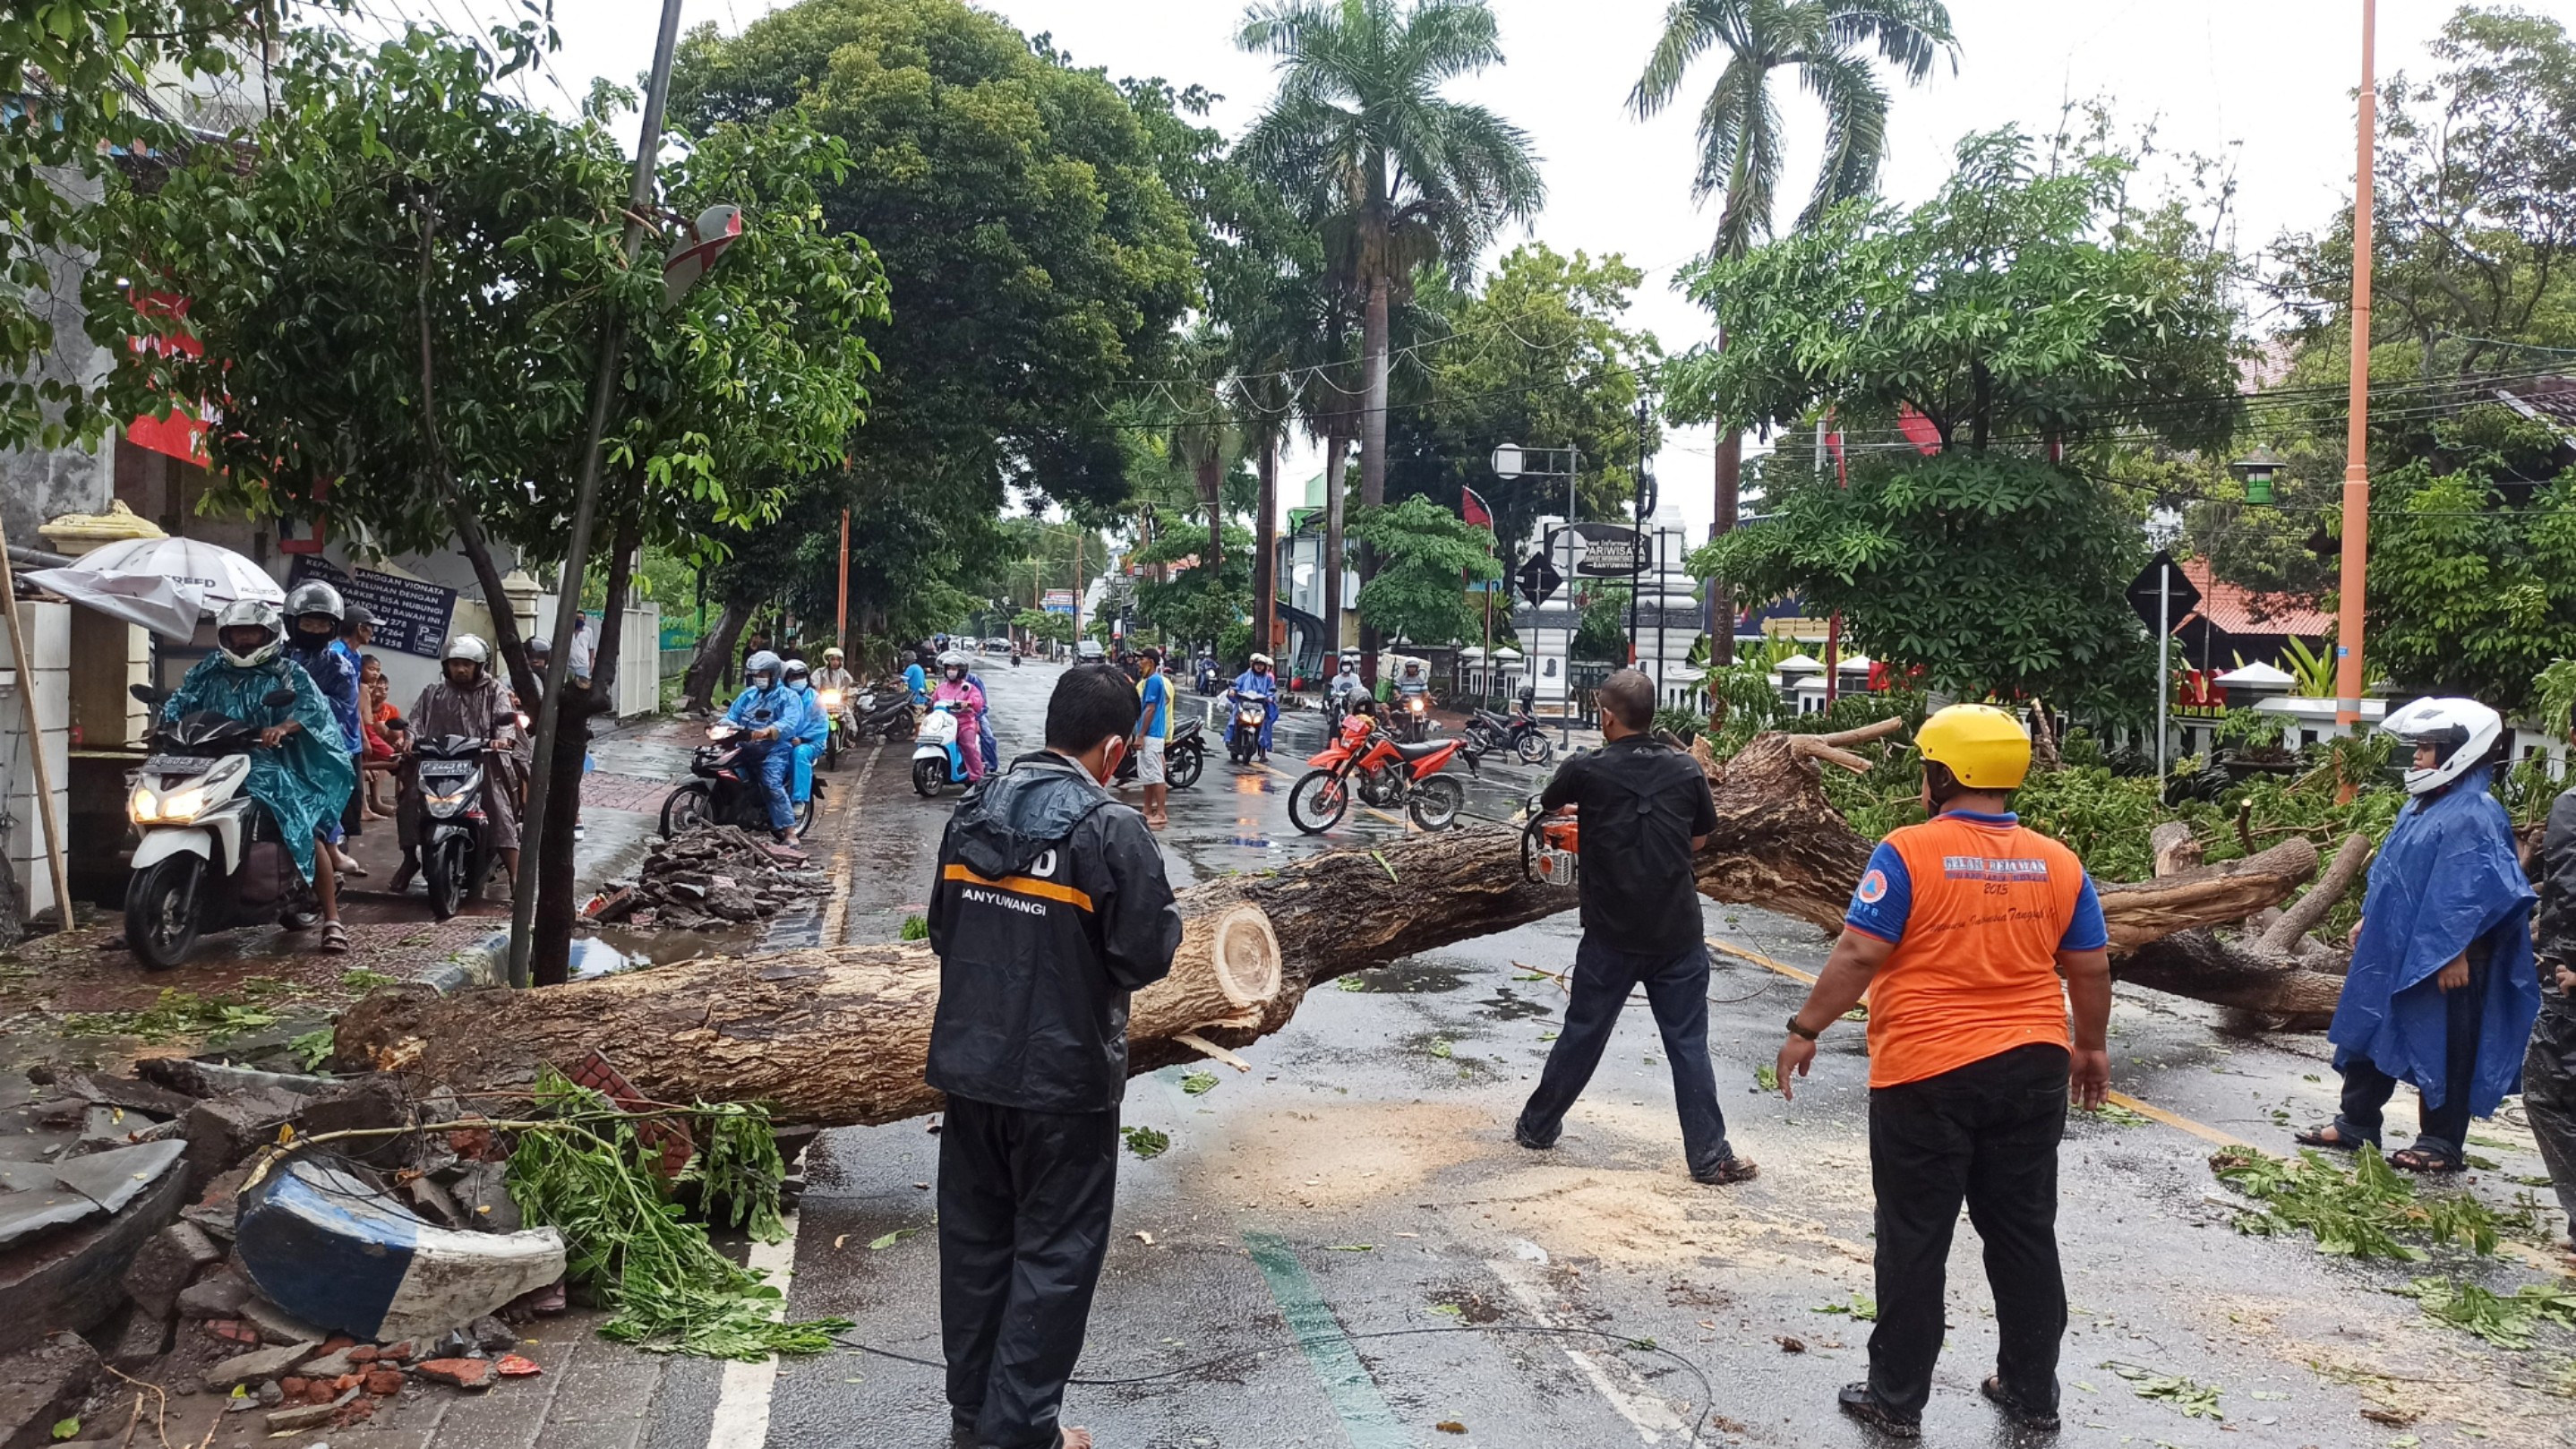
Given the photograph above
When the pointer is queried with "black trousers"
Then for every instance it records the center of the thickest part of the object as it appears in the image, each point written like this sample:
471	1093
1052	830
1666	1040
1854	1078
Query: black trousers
1677	991
1024	1200
2445	1129
1986	1133
2549	1098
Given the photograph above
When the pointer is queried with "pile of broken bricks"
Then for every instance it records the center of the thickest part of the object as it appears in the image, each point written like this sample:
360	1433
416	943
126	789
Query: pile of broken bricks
136	1237
709	879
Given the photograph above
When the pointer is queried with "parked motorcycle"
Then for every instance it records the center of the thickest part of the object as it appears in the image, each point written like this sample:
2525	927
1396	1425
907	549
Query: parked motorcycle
455	835
1245	715
1184	757
888	716
724	789
1519	732
937	760
1367	763
212	857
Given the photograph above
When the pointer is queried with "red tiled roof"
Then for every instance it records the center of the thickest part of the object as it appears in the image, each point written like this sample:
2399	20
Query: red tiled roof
2235	609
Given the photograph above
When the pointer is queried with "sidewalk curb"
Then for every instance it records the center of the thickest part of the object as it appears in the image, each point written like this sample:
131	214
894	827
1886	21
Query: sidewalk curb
484	963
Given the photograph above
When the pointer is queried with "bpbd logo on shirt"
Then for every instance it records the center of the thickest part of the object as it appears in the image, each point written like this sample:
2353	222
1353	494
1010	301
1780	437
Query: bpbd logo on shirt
1873	888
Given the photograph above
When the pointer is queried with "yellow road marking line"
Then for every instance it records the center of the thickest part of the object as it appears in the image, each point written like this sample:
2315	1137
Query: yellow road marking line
2146	1109
836	911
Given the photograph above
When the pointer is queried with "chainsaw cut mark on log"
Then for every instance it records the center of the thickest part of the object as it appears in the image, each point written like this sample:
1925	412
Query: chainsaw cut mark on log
1245	957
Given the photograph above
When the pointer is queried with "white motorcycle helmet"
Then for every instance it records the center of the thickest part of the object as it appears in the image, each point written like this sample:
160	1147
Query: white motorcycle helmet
250	613
2463	732
470	649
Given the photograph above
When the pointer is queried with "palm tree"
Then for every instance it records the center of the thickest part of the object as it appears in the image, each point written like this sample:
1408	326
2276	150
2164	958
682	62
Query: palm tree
1824	43
1395	173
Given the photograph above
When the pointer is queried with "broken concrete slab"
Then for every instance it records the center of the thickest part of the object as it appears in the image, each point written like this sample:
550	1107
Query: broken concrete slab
67	1279
259	1363
134	1338
276	1325
223	1130
135	1096
166	1265
42	1386
323	1242
37	1198
483	1201
217	1295
213	1079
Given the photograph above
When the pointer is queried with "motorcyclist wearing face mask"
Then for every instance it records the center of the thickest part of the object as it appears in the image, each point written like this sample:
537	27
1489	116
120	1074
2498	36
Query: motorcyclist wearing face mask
818	725
771	715
302	773
957	686
1347	687
313	612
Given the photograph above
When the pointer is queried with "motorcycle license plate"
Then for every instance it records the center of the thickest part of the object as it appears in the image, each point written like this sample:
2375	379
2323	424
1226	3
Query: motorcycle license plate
179	764
445	769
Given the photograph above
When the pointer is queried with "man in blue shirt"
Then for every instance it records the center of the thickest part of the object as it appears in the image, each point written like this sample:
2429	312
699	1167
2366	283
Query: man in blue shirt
916	677
1153	728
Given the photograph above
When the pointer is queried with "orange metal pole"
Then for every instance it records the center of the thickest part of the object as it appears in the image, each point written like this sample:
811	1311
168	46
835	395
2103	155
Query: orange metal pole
2356	468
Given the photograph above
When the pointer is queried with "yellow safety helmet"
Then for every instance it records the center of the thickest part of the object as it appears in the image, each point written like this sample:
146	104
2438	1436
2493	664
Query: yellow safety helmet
1984	747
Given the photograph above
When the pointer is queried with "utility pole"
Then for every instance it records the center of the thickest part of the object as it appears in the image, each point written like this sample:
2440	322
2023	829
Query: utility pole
1077	588
603	383
2356	446
841	625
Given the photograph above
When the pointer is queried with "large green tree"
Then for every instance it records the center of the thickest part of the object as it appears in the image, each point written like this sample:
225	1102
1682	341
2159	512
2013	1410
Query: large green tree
1430	556
88	84
2016	310
1539	355
2018	304
1395	173
1825	44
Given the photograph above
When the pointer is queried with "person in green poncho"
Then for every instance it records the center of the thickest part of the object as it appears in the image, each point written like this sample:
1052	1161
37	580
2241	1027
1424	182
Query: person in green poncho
302	773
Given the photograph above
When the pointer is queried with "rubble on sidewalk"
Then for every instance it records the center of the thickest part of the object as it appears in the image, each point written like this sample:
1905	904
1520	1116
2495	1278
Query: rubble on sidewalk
709	879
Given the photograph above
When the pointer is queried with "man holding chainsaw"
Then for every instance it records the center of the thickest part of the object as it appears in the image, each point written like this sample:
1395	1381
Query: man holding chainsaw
1644	808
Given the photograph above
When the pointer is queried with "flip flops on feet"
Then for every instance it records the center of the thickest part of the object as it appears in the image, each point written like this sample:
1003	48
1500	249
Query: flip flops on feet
2329	1137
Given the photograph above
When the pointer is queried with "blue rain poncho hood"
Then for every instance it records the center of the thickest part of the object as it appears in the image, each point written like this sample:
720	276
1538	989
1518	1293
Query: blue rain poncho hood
306	780
2446	877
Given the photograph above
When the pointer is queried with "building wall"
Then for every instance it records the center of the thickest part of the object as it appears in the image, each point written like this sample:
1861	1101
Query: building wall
48	630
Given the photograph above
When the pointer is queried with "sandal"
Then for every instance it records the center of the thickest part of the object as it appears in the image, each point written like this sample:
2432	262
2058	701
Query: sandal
1728	1172
335	938
2329	1136
2425	1160
2022	1415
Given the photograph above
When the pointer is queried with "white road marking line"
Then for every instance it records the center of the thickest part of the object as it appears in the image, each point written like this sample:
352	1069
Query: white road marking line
1644	1411
836	909
742	1402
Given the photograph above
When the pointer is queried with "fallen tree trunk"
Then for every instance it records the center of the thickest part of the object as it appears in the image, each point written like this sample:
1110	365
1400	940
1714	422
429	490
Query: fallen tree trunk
2277	971
839	1035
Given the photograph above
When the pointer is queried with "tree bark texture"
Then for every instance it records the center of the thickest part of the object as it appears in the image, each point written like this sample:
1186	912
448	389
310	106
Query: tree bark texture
840	1035
699	687
1336	443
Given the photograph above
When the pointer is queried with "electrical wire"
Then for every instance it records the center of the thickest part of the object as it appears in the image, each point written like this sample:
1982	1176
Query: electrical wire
1699	1426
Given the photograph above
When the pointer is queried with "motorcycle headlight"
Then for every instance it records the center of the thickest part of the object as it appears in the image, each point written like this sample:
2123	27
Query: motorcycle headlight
175	809
443	807
831	699
1414	704
142	806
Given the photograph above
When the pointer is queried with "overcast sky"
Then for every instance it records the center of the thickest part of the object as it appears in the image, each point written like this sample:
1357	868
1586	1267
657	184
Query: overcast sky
2265	83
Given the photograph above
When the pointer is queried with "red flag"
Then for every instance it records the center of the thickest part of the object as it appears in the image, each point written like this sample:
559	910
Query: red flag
1473	509
1918	430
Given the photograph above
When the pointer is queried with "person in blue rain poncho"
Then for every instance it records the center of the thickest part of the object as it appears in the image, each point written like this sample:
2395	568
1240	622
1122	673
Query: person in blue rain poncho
771	714
303	772
2443	989
1259	682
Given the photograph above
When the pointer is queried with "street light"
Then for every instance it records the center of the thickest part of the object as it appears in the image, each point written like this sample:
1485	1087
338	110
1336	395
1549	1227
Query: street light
1511	460
2257	468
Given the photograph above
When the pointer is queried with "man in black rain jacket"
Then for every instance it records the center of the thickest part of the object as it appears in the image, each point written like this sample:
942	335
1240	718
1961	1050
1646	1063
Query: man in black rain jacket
1050	906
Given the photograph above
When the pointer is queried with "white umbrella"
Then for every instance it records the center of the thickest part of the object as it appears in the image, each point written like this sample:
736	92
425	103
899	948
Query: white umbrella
166	608
219	575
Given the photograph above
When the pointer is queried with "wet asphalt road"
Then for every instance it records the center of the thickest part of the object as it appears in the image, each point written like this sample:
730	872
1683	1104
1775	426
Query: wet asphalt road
1346	1248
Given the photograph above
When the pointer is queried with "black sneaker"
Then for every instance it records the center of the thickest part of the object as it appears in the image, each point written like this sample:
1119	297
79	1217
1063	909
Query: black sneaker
1729	1171
2041	1420
1861	1404
1531	1140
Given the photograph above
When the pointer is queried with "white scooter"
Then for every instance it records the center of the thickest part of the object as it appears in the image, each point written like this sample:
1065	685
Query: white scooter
937	763
211	856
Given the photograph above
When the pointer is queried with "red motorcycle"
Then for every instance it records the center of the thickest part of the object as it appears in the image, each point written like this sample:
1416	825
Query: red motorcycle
1366	762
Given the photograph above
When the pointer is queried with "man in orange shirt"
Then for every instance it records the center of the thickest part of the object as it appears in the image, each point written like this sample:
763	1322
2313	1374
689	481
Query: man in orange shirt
1968	934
